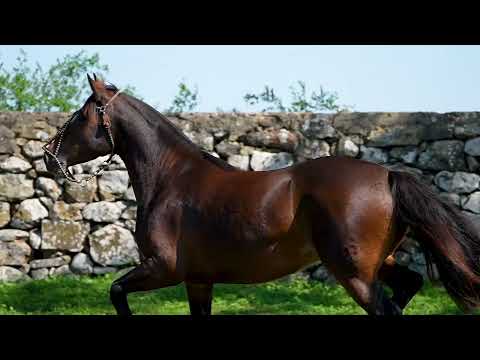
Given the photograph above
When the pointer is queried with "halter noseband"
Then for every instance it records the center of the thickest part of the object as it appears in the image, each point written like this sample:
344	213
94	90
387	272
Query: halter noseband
106	122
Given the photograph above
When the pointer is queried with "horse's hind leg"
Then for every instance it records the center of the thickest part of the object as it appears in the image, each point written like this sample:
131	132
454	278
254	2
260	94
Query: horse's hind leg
359	276
147	276
352	243
371	296
200	298
354	256
404	282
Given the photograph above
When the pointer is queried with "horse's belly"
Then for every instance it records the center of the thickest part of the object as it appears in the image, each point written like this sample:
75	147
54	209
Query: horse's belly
272	259
285	259
267	246
275	262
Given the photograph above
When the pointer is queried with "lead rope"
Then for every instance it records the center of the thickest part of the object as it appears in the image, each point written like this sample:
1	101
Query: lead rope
105	122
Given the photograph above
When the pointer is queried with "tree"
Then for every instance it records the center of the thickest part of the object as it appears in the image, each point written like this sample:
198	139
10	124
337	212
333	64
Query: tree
300	101
185	100
269	99
62	87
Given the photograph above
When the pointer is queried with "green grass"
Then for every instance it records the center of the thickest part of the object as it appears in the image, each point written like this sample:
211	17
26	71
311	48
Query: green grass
71	296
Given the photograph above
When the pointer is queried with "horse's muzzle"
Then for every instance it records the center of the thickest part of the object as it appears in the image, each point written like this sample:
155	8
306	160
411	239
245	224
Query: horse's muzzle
52	166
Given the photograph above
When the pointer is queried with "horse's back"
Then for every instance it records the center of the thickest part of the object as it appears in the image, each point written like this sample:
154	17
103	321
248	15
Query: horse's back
338	171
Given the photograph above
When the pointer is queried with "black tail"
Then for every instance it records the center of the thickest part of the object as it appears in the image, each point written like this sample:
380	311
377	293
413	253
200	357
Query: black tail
447	236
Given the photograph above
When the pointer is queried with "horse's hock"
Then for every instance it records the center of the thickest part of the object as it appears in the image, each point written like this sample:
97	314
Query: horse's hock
50	228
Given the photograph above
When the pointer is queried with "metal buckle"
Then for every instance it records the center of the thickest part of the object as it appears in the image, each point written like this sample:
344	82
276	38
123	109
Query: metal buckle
101	109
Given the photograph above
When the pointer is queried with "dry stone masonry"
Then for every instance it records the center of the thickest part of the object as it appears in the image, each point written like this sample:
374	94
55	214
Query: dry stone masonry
56	228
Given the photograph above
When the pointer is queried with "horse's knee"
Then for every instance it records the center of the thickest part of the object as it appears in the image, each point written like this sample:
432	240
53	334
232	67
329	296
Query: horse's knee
116	292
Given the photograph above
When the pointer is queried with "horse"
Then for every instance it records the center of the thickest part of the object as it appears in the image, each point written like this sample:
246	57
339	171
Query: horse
202	222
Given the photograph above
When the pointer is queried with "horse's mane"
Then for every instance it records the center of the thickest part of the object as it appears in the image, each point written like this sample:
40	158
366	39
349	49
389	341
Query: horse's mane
218	162
152	115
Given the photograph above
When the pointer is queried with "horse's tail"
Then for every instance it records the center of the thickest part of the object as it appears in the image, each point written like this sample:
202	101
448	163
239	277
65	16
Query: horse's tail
445	234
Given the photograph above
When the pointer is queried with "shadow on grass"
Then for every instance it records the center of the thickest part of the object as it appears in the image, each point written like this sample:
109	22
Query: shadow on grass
91	296
282	298
54	296
74	296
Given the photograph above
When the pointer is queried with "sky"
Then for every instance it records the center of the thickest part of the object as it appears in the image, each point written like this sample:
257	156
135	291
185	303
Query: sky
367	78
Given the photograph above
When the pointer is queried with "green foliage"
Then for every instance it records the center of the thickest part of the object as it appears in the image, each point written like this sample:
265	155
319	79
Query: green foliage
62	87
132	91
268	97
85	295
185	100
300	101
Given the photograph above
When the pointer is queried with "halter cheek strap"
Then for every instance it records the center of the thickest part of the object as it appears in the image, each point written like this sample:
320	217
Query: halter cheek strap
106	123
102	110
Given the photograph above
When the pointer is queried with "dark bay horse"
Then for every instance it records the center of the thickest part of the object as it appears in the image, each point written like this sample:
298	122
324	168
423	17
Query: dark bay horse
202	221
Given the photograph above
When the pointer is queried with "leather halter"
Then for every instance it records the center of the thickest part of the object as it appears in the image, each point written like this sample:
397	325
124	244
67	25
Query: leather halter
106	122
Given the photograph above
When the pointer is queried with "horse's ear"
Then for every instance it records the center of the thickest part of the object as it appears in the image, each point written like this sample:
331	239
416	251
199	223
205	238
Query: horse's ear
91	82
97	86
94	76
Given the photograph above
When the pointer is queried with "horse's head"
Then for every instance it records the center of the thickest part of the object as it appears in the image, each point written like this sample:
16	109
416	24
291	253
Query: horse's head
88	134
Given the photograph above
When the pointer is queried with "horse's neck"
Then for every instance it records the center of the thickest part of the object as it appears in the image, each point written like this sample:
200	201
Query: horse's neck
155	155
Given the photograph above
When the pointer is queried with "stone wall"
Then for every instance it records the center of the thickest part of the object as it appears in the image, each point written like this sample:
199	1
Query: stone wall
50	228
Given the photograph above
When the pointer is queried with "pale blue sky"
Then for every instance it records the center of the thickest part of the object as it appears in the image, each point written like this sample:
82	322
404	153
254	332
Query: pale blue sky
371	78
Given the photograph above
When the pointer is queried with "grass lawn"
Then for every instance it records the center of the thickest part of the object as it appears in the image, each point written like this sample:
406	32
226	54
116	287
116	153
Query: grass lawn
83	296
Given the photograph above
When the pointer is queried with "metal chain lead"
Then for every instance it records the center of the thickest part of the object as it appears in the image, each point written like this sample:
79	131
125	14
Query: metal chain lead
83	182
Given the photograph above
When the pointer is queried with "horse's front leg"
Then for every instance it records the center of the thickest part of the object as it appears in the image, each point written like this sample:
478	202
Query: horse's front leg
200	298
151	274
156	236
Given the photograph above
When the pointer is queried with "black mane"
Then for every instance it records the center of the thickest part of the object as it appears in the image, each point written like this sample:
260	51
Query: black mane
111	87
152	115
218	162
